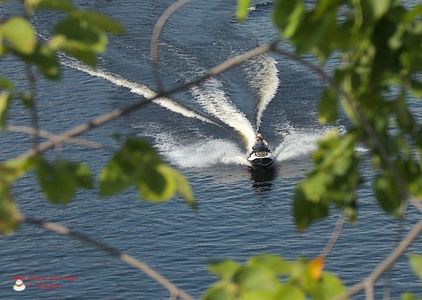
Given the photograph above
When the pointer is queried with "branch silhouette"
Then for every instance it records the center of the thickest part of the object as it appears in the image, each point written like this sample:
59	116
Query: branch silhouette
158	27
174	291
334	237
368	283
52	137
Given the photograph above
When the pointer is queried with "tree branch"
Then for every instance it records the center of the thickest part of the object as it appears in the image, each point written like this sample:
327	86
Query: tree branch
158	27
52	137
126	258
32	81
416	203
368	282
334	237
105	118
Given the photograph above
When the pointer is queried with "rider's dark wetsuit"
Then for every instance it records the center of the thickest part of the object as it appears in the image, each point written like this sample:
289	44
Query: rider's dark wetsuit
260	145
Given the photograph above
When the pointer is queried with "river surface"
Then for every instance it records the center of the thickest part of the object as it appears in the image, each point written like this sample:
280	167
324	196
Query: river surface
238	214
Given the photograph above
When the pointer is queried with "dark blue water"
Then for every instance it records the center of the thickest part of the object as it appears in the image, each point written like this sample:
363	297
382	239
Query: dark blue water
238	216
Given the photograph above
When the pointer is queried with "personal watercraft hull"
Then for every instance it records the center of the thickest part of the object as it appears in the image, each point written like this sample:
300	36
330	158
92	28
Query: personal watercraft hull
261	162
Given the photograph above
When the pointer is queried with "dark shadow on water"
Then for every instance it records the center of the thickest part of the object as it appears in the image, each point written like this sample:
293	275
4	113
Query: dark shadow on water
262	178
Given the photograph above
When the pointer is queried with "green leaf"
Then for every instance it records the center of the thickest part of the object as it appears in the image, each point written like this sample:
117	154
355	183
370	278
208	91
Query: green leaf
100	21
416	263
60	179
9	214
242	10
276	263
136	163
306	212
407	296
413	13
379	7
256	279
388	195
79	38
328	287
325	6
3	49
20	34
82	176
416	88
157	183
15	168
404	117
290	292
224	269
184	189
113	179
221	291
5	98
288	16
328	106
6	84
257	295
61	5
46	61
315	185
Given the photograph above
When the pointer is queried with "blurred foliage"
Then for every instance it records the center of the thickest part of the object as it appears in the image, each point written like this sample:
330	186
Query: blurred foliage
60	179
81	34
416	264
379	44
242	9
272	277
137	164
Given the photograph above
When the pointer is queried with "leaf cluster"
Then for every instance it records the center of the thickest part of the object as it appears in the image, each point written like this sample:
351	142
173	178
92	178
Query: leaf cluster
378	42
271	277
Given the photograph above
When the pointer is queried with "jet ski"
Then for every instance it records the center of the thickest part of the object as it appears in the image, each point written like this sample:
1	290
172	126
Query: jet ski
260	156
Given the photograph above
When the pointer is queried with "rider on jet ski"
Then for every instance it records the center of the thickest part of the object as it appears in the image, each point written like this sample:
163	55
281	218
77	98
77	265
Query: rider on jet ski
260	144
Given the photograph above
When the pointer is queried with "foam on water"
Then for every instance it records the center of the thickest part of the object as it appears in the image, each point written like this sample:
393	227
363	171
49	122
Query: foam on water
263	78
212	98
196	151
207	153
138	89
297	144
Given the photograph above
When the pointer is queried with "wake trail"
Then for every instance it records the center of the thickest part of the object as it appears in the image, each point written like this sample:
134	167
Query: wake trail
138	89
210	95
263	77
212	98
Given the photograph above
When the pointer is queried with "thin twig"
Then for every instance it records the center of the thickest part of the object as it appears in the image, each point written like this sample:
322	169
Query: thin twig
32	81
416	203
130	260
385	264
369	292
321	73
52	137
334	237
158	27
105	118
